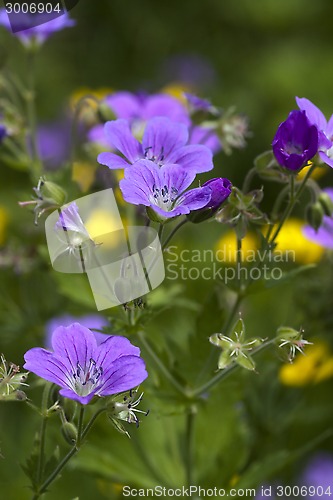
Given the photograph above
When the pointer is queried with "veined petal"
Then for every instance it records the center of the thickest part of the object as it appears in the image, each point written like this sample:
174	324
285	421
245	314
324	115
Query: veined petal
139	182
113	348
195	198
163	136
74	344
195	156
84	400
45	365
174	176
124	374
112	160
120	137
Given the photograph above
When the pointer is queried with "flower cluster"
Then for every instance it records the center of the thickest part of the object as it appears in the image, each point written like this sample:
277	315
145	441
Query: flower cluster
162	150
303	135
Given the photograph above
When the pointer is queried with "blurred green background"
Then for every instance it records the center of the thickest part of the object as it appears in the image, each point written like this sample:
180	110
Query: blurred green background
254	54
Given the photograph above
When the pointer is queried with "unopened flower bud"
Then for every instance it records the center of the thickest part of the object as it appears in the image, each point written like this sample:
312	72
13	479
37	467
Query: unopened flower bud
315	215
69	432
221	190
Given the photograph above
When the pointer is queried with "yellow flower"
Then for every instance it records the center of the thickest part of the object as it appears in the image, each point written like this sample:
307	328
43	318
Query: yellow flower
81	92
312	367
103	228
226	247
316	174
291	239
4	219
177	90
84	175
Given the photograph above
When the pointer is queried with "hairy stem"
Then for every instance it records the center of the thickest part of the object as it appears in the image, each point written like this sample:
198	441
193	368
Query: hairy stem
173	232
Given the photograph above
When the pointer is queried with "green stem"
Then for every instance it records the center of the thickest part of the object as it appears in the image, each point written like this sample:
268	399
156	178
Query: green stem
189	445
163	369
36	166
45	400
294	196
160	231
222	374
248	179
80	427
233	312
91	422
80	436
173	232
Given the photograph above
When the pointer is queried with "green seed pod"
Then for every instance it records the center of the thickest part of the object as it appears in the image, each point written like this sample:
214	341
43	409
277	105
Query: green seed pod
53	193
69	432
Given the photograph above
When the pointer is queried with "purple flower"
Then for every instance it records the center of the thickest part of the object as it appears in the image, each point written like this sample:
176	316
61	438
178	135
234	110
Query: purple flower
296	141
138	109
84	369
324	127
163	188
164	142
324	235
3	133
54	143
144	107
91	321
318	474
70	220
27	31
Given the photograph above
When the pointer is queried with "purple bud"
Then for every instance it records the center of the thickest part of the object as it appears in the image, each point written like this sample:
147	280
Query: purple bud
220	191
296	141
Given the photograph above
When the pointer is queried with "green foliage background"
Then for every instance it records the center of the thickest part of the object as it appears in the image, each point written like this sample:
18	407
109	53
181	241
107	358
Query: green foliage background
252	428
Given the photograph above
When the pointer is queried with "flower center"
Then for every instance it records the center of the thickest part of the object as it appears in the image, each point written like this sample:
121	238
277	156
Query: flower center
86	378
163	197
158	159
292	148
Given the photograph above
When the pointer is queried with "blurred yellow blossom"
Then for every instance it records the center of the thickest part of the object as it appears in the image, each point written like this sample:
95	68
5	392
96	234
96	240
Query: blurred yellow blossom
316	174
177	90
227	246
81	92
83	174
103	227
291	238
3	224
314	366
